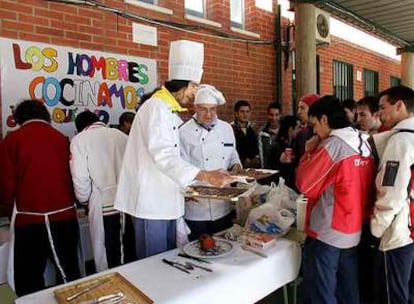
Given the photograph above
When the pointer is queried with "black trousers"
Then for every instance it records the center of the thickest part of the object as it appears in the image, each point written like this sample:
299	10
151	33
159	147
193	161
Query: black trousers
32	249
199	228
112	228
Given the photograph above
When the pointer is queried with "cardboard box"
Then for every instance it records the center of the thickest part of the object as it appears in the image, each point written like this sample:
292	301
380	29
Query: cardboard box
257	240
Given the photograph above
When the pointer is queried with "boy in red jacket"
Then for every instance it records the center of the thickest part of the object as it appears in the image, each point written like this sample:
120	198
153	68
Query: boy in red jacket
336	173
35	180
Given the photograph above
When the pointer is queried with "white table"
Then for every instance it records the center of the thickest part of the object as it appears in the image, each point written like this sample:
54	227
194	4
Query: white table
4	252
242	277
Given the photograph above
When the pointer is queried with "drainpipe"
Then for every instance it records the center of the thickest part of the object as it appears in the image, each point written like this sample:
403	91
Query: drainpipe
279	82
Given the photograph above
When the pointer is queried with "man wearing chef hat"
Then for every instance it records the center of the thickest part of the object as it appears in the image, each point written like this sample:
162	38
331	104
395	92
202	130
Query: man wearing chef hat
153	174
208	143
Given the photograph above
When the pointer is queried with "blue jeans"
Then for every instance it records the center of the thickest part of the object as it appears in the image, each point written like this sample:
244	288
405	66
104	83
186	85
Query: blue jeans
154	236
330	274
398	264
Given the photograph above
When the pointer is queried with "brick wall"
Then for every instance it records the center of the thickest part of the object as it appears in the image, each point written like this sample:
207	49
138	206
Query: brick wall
241	70
361	59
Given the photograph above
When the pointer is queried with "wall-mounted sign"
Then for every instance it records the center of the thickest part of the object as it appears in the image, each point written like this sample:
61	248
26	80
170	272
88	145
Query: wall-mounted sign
144	34
69	81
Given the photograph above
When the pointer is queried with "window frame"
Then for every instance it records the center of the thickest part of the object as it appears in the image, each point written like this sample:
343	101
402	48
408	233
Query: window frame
196	13
343	88
395	81
371	78
243	16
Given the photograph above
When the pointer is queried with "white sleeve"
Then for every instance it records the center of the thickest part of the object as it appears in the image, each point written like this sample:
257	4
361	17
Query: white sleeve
392	183
82	183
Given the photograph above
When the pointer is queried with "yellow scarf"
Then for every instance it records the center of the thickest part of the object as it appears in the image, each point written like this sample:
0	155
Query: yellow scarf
169	99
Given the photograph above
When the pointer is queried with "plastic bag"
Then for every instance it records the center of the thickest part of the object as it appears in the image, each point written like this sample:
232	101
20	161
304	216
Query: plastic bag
268	218
282	197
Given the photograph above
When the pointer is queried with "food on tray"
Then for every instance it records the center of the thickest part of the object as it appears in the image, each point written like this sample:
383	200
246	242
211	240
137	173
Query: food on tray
257	173
207	242
228	193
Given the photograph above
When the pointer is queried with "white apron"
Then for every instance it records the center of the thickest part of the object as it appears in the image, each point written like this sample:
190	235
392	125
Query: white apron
97	231
10	266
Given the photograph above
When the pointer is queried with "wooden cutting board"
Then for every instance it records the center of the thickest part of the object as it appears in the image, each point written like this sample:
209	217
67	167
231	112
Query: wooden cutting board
108	284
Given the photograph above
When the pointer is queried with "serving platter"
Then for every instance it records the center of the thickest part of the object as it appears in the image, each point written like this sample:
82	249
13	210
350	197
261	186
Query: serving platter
221	249
225	193
257	173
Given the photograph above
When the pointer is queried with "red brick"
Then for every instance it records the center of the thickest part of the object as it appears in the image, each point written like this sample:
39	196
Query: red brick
49	31
7	14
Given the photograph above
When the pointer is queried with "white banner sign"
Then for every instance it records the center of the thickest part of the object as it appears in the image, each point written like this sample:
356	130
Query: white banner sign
69	81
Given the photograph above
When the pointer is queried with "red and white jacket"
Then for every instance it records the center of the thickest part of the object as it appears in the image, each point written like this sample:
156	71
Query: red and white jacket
338	180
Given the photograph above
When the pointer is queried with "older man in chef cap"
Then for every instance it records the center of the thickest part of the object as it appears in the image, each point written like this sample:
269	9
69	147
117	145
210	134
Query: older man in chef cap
153	174
208	143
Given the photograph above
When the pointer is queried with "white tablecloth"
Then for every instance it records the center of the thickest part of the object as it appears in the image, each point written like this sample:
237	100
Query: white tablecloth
4	252
242	277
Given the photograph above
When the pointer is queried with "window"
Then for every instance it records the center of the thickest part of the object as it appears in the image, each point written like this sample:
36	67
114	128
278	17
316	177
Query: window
343	80
237	13
370	83
195	8
149	1
395	81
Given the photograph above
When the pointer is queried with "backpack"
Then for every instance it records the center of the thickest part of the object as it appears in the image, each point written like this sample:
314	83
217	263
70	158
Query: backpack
410	190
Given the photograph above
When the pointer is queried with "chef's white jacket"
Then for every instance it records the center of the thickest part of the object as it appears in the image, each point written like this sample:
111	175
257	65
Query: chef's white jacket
153	174
96	159
208	150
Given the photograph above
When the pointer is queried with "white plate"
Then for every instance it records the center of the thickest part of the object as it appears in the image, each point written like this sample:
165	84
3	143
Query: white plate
222	248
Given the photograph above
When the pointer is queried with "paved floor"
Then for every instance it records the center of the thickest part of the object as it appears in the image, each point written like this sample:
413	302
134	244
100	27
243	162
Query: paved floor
7	295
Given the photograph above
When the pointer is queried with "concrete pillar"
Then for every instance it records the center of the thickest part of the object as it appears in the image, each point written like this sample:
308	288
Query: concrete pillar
407	69
305	42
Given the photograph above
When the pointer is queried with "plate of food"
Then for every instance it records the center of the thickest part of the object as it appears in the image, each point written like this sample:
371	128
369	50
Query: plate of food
258	173
208	247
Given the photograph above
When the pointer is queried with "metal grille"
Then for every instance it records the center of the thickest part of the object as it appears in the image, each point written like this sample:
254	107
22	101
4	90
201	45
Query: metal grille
395	81
343	82
370	83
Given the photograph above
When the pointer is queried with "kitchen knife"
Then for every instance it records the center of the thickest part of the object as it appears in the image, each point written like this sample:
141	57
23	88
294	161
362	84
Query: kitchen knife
184	255
85	290
175	266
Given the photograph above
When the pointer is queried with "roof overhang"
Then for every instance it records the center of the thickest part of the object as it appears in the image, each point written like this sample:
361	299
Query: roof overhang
390	20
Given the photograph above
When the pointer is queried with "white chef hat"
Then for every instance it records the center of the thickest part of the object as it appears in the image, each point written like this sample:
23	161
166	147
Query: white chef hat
186	60
208	94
